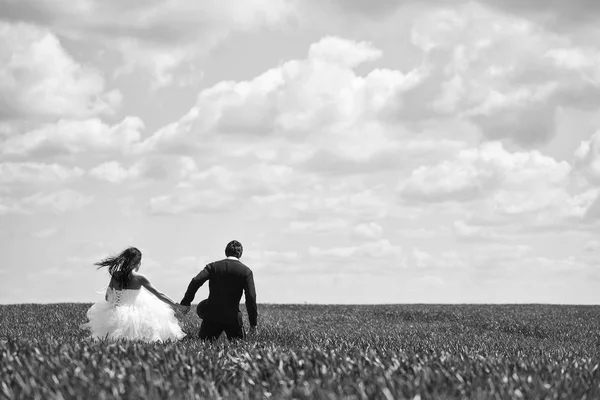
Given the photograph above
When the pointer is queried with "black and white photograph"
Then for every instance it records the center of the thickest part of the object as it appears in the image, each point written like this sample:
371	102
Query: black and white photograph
299	199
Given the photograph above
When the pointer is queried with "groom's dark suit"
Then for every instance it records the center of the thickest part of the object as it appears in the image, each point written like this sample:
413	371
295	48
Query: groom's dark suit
227	279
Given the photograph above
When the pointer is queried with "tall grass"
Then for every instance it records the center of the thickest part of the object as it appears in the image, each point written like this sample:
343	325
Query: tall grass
309	351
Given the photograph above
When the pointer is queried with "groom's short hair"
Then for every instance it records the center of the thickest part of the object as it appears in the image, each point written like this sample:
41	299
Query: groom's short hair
234	249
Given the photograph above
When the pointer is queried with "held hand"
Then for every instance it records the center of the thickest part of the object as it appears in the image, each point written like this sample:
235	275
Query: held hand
184	309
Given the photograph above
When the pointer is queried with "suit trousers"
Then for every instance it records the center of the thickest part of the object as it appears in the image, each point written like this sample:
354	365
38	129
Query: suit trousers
211	330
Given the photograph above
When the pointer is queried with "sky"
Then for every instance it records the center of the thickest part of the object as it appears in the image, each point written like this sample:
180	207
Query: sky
362	152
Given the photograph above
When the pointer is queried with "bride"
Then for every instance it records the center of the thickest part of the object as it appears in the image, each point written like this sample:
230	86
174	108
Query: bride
133	309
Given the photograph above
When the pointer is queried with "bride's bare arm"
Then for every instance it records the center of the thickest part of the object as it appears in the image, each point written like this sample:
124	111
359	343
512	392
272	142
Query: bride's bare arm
161	296
110	286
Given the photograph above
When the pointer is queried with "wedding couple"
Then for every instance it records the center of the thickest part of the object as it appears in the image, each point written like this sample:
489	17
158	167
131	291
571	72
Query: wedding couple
135	310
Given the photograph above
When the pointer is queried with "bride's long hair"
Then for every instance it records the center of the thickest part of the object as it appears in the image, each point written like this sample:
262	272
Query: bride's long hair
121	266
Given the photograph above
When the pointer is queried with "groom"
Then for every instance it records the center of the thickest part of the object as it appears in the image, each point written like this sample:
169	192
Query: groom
227	279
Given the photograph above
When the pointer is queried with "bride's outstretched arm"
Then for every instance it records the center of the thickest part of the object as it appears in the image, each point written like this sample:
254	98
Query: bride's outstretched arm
110	286
161	296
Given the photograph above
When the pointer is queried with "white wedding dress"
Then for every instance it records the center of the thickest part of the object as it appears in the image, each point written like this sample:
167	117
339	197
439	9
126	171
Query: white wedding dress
132	314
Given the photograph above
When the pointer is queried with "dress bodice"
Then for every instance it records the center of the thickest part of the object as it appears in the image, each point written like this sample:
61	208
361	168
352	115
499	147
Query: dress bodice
119	297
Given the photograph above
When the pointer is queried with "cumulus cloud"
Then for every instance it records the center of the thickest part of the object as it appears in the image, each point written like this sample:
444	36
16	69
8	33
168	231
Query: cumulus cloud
467	231
233	181
447	181
591	246
317	98
554	13
67	137
515	93
45	233
274	261
501	71
312	136
446	260
397	155
336	50
477	172
40	80
592	212
153	167
203	188
587	158
189	201
574	16
524	188
378	249
58	202
499	254
112	171
343	202
30	173
320	226
369	230
157	37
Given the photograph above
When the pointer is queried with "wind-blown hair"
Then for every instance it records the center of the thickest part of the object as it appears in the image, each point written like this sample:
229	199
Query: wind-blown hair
234	249
120	266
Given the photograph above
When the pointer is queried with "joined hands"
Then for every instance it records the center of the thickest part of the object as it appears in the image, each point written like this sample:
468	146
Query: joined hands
181	308
184	309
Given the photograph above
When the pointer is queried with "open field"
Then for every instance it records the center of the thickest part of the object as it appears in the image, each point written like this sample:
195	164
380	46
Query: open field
304	351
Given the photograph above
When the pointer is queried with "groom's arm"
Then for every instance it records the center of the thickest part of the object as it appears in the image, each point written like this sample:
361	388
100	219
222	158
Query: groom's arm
250	293
195	284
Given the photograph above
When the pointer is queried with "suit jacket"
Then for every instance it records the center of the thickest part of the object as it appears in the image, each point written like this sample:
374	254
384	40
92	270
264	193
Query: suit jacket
227	279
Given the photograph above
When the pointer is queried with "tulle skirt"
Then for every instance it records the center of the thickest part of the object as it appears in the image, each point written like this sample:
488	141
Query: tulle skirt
132	315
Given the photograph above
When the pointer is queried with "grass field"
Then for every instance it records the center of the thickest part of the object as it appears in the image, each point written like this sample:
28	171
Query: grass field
308	351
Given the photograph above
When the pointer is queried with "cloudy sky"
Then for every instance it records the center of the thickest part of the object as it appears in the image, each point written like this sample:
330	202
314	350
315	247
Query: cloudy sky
363	152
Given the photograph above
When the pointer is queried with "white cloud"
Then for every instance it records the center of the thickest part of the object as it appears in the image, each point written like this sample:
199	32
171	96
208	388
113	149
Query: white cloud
499	255
59	202
30	173
587	158
478	172
489	258
231	182
499	71
591	246
45	233
161	63
397	155
592	211
526	189
112	171
422	233
467	231
585	61
164	36
369	230
314	98
340	51
445	260
447	181
152	167
72	137
190	201
157	37
273	261
319	226
40	80
378	249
